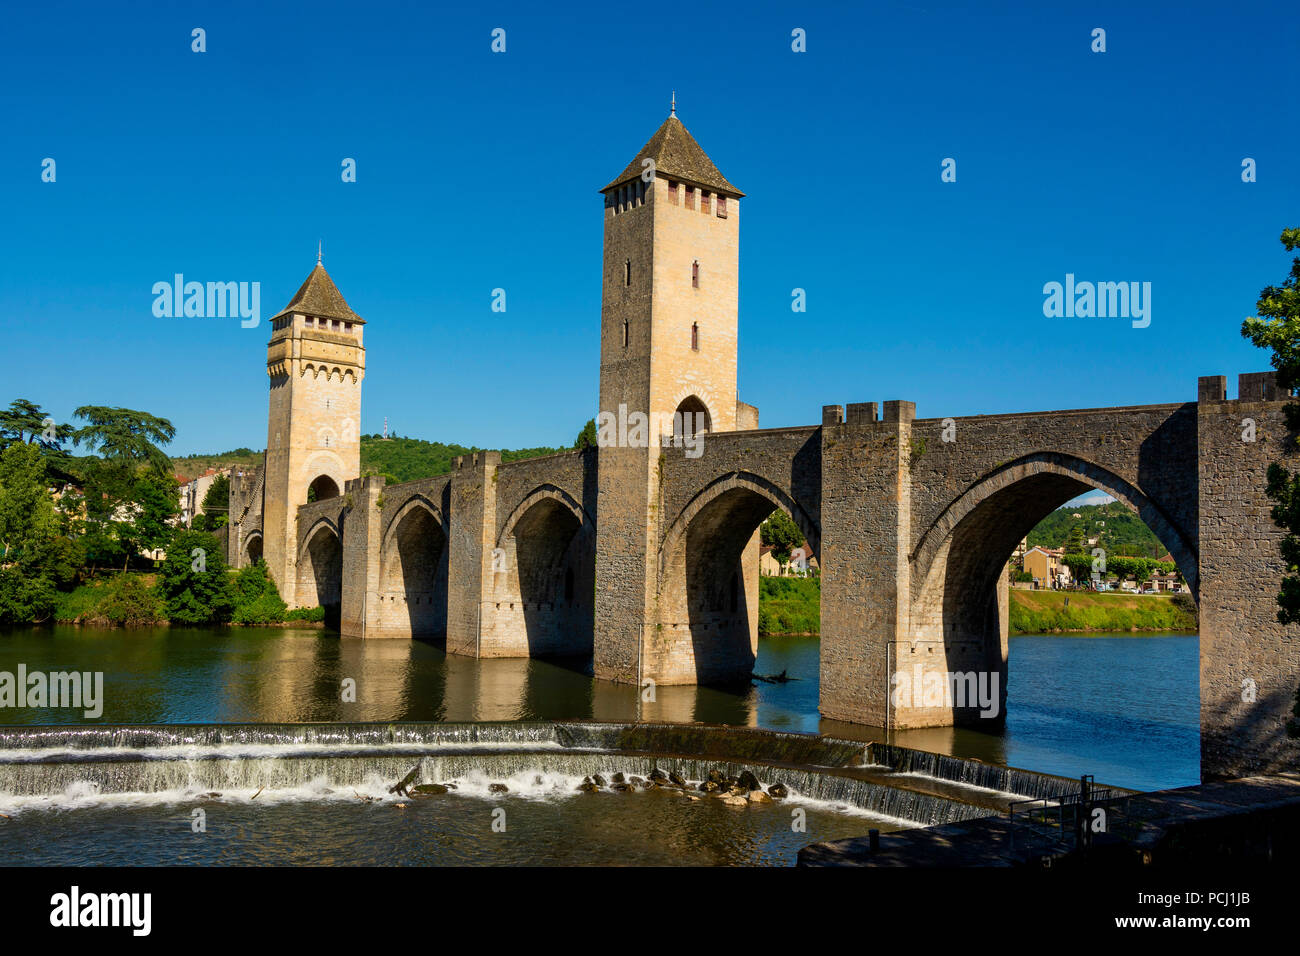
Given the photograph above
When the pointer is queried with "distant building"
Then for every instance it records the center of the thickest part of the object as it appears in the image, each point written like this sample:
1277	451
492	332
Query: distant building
770	567
1046	567
193	492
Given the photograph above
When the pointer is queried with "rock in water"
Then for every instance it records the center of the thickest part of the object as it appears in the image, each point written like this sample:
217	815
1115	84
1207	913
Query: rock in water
758	796
778	790
709	786
427	789
598	779
748	781
656	774
717	776
498	788
588	787
619	778
677	778
735	801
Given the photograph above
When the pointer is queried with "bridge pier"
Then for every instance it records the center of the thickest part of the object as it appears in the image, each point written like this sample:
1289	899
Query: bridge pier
471	622
360	613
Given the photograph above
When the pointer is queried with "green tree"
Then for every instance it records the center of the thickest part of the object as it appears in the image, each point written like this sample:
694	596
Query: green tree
193	581
130	493
125	435
587	437
782	534
26	508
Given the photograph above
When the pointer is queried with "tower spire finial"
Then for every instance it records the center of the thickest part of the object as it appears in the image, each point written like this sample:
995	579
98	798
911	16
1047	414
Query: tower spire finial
673	108
319	245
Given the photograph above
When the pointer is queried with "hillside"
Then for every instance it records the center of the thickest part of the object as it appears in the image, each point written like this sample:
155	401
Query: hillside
1122	533
398	459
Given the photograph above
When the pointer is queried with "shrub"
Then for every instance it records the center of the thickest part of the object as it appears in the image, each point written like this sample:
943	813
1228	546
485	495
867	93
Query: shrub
24	598
306	614
129	601
78	604
264	609
196	586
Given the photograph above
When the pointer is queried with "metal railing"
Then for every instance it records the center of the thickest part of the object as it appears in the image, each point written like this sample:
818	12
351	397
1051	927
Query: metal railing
1069	818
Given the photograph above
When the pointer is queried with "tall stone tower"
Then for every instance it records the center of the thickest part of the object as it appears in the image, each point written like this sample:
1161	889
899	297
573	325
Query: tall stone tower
316	362
669	304
668	344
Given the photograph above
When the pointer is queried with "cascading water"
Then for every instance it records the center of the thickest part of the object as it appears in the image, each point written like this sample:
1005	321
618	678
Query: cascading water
70	767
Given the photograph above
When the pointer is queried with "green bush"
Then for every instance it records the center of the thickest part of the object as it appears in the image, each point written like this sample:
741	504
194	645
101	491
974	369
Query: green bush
194	582
78	604
26	598
129	601
306	614
257	600
264	609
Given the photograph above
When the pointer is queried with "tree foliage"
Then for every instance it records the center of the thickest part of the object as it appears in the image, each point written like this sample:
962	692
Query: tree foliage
587	437
781	534
193	581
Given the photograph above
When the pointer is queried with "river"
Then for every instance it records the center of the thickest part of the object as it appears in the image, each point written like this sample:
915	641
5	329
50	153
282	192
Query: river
1122	707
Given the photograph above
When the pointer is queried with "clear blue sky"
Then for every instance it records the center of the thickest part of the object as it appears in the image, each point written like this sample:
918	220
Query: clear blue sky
479	170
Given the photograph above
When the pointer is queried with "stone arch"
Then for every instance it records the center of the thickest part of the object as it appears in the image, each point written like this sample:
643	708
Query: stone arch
322	488
320	570
1054	474
699	394
252	551
707	595
543	575
958	615
413	569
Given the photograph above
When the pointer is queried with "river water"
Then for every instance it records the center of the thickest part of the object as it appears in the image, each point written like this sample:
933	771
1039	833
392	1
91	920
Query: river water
1121	707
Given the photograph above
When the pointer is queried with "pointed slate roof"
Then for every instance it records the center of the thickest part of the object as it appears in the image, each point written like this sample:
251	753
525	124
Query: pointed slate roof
320	297
676	154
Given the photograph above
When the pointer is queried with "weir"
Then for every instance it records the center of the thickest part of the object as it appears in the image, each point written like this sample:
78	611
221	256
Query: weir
71	767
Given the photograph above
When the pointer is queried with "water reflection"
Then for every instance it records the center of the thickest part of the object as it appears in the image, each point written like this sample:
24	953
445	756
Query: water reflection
1121	707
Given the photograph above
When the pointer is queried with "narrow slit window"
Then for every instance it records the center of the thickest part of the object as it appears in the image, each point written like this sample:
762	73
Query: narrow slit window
690	197
625	333
672	192
627	271
695	336
695	274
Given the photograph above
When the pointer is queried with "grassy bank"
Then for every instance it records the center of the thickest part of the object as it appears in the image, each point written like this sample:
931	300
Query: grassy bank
1037	612
789	606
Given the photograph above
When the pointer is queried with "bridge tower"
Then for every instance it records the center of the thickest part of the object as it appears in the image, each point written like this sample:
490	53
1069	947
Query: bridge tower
315	361
668	344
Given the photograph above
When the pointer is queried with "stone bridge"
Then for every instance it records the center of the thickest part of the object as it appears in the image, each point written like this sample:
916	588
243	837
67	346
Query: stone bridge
912	521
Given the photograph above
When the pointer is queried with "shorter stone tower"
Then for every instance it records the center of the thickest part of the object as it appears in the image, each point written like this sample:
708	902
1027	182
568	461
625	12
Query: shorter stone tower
316	362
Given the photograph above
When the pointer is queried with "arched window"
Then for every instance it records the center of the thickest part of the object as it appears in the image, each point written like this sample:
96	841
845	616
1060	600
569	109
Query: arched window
695	274
695	336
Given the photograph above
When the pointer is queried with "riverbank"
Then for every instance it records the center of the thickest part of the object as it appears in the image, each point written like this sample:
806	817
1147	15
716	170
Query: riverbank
1044	612
789	607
